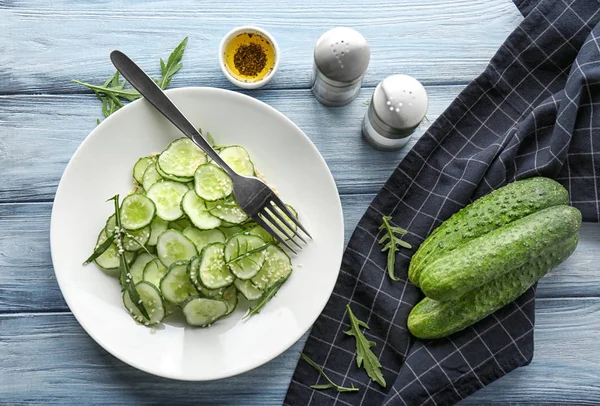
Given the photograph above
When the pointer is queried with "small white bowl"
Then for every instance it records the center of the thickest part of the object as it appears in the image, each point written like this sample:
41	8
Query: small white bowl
244	30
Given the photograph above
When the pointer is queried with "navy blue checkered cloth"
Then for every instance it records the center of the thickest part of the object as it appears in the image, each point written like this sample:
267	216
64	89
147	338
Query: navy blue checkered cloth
535	110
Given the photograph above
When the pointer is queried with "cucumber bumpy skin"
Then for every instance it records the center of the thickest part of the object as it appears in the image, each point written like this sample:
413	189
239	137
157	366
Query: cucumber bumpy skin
500	207
498	252
431	319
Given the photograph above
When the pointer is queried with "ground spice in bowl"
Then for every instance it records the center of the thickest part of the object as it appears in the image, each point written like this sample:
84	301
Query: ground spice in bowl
249	57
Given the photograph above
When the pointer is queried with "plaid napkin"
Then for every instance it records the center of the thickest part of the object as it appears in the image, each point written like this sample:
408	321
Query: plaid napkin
535	110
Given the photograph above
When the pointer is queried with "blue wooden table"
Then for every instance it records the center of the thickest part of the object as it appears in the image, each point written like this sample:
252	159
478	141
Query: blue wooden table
46	357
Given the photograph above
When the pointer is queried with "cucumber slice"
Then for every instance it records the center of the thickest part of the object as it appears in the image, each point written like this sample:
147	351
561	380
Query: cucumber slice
109	260
137	211
167	197
137	268
172	177
212	183
151	176
181	158
245	255
201	238
227	210
157	227
262	233
201	312
238	158
230	298
231	231
152	300
134	240
154	271
193	268
180	224
196	210
175	285
140	167
111	223
213	272
290	231
173	246
247	289
277	266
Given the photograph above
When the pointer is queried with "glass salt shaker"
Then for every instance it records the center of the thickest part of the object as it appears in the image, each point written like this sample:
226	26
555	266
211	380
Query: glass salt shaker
398	106
341	58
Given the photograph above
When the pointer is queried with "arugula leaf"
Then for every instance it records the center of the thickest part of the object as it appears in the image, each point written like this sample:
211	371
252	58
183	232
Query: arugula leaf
112	92
173	64
331	384
364	355
100	249
393	241
267	295
125	278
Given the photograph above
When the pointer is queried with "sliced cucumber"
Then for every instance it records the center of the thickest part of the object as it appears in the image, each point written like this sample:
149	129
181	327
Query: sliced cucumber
167	197
276	267
262	233
193	269
154	271
111	223
230	298
137	211
151	176
212	183
180	224
137	268
165	175
157	227
213	272
201	238
140	167
195	208
109	259
173	246
181	158
175	285
152	301
239	160
231	231
134	240
247	289
245	255
227	210
290	231
201	312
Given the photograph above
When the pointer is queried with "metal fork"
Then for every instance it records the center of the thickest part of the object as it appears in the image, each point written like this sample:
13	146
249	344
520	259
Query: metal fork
252	194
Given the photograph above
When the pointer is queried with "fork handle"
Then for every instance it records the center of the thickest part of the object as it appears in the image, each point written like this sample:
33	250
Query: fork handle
155	95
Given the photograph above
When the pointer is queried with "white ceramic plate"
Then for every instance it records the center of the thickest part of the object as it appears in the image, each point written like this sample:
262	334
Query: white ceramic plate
102	166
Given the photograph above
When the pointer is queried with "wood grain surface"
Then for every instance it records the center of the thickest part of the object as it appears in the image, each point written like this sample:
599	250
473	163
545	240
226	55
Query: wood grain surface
47	358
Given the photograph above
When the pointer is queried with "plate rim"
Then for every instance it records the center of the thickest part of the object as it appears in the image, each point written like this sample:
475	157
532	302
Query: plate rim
114	352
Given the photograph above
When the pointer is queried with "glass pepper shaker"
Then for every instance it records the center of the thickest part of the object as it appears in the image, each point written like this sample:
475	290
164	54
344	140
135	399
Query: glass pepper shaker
341	58
398	106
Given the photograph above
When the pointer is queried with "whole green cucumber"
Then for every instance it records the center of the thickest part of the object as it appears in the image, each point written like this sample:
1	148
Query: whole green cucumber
433	319
485	258
500	207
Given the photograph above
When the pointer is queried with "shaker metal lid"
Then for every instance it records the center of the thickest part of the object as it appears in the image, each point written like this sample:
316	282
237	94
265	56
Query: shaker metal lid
342	55
400	102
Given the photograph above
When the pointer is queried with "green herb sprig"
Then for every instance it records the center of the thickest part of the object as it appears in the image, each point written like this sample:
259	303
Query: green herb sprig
125	277
267	295
393	241
329	385
112	92
364	355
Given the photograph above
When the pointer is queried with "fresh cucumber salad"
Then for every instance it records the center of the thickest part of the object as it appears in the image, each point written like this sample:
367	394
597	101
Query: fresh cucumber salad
180	242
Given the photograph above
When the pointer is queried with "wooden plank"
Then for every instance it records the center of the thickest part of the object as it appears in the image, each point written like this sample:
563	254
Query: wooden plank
566	365
27	281
436	41
39	134
48	358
